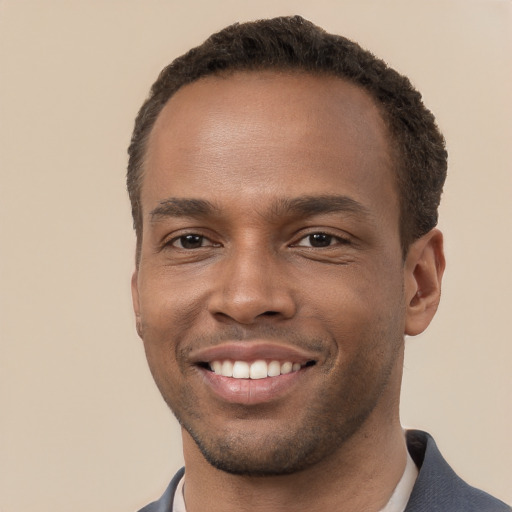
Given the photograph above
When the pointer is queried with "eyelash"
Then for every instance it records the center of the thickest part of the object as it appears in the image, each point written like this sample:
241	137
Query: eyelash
336	238
338	241
172	242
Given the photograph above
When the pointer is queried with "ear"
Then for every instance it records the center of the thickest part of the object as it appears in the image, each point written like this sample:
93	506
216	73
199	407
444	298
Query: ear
424	268
136	302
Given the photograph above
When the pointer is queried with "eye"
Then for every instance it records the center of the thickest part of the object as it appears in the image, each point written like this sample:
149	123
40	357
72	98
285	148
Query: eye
320	240
191	241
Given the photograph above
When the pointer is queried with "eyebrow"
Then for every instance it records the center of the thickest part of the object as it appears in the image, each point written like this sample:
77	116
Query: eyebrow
308	206
305	206
182	207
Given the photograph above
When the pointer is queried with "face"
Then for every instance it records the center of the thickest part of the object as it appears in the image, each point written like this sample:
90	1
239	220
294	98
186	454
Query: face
270	289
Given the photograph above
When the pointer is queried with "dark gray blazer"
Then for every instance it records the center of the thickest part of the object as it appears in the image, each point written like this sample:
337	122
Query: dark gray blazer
437	488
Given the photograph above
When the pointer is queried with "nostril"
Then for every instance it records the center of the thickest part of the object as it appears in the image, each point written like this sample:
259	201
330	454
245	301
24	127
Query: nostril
270	313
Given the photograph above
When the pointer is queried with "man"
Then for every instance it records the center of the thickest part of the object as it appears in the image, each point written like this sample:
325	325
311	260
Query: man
284	187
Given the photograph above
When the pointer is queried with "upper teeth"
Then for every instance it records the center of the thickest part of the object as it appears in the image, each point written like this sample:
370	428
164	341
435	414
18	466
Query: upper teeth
257	370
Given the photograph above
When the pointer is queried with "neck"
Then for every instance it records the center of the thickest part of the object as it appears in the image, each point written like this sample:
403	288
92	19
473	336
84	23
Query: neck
360	476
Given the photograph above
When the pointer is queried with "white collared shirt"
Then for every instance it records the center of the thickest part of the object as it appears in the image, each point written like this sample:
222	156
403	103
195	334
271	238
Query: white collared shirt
396	503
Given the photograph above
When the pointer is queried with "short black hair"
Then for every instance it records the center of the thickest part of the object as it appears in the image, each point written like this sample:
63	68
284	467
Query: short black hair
295	44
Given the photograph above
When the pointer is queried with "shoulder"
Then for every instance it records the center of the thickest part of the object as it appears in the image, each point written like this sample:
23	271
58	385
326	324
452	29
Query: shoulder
164	504
438	488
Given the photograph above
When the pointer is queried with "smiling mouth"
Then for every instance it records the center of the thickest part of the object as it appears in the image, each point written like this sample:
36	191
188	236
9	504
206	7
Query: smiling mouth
259	369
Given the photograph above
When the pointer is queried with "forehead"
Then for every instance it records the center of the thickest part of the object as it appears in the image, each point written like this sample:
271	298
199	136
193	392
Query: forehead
294	131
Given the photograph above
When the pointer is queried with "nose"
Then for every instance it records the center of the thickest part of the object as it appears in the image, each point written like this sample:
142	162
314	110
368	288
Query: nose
251	285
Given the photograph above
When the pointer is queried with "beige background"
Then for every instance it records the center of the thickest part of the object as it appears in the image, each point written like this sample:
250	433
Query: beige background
82	426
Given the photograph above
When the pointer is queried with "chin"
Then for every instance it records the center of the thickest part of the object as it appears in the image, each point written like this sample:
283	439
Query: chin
249	460
278	451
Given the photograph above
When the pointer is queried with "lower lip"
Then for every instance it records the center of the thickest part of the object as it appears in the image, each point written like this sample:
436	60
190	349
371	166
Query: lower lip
251	391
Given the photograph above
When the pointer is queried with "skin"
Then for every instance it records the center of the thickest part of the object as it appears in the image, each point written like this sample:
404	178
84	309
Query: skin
258	153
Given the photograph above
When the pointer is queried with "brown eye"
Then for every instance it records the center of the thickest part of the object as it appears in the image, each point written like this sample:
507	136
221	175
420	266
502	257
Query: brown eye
320	240
317	240
189	241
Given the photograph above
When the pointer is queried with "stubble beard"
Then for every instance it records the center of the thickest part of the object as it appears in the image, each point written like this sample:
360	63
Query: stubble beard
317	434
338	409
281	452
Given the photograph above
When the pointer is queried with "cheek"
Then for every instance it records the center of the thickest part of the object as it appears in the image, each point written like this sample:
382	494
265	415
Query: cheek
354	305
166	316
169	304
168	310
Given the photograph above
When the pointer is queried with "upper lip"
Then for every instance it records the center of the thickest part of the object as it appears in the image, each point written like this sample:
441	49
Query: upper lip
251	351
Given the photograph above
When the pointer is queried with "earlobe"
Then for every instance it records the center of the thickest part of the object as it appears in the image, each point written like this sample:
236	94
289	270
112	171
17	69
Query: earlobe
135	301
424	267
